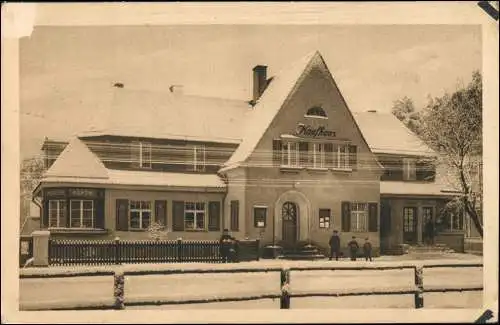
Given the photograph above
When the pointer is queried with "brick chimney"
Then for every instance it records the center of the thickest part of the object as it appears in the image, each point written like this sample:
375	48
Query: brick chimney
259	81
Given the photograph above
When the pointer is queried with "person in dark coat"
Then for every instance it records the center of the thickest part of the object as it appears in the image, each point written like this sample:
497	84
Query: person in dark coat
226	242
353	248
367	249
334	245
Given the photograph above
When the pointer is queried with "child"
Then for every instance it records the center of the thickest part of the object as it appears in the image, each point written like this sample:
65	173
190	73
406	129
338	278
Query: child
353	248
367	248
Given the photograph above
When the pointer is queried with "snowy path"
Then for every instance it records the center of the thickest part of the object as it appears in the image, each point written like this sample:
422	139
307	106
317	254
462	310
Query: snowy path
185	286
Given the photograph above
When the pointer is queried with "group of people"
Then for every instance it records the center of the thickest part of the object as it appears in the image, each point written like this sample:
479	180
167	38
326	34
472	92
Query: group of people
352	245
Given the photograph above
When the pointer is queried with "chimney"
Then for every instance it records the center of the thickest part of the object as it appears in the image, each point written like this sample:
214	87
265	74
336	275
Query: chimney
176	89
259	81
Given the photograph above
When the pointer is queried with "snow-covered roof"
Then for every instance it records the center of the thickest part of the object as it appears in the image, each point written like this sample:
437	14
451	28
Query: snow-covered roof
76	160
386	134
153	114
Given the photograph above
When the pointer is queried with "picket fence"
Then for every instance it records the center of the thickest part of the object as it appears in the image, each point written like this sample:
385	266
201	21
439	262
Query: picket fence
96	252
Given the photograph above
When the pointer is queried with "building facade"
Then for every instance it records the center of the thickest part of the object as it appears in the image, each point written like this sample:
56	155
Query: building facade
288	166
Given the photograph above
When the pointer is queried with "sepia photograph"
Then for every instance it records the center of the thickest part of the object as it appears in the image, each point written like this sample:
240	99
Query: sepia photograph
319	167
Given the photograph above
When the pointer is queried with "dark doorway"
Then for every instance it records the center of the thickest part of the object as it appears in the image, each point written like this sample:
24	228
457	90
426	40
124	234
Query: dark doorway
289	217
385	225
428	226
410	225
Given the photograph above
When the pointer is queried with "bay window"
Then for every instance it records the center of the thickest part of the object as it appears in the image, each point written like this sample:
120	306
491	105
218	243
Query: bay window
82	213
57	213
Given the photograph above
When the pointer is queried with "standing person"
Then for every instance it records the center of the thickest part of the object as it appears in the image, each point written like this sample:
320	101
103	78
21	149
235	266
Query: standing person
353	248
334	245
226	243
367	249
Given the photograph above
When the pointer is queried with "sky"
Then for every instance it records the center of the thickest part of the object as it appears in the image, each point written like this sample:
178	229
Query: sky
67	73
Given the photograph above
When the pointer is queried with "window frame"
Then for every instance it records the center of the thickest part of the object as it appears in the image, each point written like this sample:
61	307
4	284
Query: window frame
140	155
354	215
321	153
195	212
199	165
141	210
288	154
326	224
81	210
58	209
261	208
311	113
409	169
414	219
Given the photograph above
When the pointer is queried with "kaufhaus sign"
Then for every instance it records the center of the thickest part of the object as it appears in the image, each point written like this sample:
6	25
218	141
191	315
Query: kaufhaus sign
313	132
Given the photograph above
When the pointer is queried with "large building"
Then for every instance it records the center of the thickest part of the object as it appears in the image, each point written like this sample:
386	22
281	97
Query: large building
288	166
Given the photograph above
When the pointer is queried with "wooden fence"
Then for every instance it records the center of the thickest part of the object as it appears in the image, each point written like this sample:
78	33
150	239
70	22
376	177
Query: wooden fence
95	252
285	295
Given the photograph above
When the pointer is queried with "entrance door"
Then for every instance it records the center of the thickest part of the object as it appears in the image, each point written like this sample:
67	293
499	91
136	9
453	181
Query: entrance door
289	217
428	232
410	225
385	224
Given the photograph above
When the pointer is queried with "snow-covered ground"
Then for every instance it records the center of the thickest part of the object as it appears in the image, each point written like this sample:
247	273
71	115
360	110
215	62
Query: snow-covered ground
83	290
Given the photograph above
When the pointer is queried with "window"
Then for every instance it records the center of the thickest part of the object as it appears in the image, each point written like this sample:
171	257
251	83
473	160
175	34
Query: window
140	214
342	157
81	214
319	155
324	218
359	217
316	111
259	216
409	169
290	154
456	221
409	219
199	156
57	213
194	215
141	154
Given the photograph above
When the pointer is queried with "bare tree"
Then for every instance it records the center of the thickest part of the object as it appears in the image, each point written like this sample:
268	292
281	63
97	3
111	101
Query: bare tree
452	124
32	170
405	111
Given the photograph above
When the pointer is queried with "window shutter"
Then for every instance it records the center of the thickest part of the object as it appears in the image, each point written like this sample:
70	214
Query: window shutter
121	215
45	214
277	146
303	154
372	217
353	157
346	216
99	214
235	215
178	216
161	212
214	216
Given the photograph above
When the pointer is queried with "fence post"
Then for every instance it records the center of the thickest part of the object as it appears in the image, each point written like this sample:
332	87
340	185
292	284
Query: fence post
179	249
119	289
117	250
258	249
41	247
285	289
419	284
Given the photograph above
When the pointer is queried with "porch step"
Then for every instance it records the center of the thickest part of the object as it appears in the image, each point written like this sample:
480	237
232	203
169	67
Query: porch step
301	252
437	248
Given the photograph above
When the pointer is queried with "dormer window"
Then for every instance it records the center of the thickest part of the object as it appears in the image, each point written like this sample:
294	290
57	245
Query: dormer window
141	154
316	111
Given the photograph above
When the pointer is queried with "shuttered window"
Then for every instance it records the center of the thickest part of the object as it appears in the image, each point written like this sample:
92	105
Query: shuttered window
161	212
346	216
324	218
178	215
259	217
235	215
372	217
214	216
276	152
121	215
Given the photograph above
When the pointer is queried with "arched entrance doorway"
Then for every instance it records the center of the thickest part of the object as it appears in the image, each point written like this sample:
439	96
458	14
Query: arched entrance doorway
289	217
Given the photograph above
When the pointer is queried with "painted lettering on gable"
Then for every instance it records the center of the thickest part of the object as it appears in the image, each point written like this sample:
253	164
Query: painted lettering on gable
313	132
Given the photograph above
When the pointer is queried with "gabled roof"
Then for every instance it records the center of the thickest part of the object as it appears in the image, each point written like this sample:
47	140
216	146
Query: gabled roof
386	134
77	160
271	102
153	114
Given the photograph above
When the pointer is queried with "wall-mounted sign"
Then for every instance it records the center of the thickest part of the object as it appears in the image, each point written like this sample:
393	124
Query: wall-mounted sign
313	132
83	192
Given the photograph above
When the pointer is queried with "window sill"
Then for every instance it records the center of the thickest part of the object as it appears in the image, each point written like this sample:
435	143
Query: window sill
78	231
317	169
343	170
291	169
